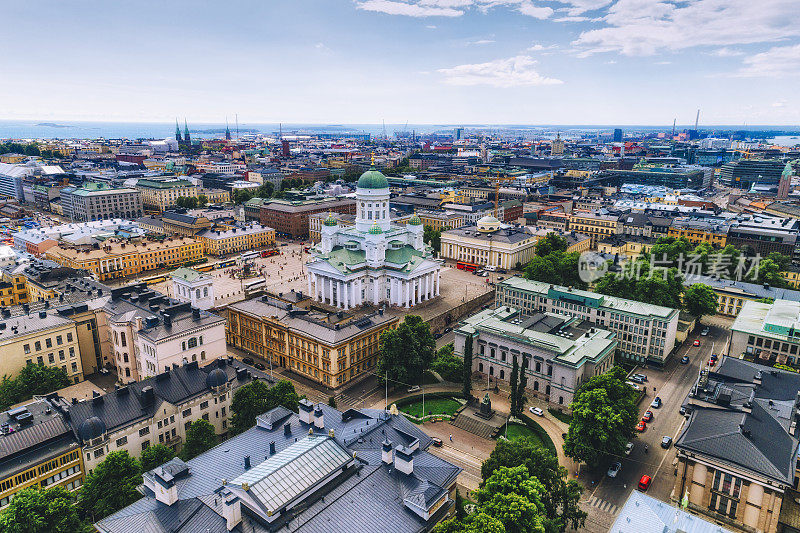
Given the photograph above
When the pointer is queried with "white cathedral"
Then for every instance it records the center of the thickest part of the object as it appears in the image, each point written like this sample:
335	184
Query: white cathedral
374	262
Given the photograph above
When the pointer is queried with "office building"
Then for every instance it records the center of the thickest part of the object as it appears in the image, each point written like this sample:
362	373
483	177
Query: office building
329	348
744	173
595	225
698	230
765	234
360	470
317	220
290	218
765	332
159	194
374	262
441	220
559	351
557	146
617	135
182	223
644	332
99	201
252	236
644	514
38	450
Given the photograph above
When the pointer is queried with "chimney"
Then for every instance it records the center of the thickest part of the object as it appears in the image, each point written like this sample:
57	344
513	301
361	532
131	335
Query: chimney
287	430
387	455
148	395
319	418
247	462
272	447
404	460
195	314
306	411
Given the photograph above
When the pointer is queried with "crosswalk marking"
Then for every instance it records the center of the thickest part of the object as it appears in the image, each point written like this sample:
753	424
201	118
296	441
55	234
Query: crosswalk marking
603	505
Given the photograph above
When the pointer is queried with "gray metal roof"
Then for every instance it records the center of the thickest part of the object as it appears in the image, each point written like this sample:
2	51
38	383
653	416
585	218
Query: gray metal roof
644	514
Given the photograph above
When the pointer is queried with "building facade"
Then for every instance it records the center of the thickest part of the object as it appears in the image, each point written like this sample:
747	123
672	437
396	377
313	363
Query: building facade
158	194
489	243
99	201
191	286
595	225
290	218
251	236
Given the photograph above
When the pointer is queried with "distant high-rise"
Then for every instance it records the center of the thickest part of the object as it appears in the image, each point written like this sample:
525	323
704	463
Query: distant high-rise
557	146
458	134
227	131
285	148
618	135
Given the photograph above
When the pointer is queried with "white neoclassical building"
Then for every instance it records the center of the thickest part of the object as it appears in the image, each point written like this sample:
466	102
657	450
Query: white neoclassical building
373	262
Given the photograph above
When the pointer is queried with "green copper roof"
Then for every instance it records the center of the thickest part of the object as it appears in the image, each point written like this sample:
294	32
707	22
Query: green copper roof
415	220
375	229
372	179
330	221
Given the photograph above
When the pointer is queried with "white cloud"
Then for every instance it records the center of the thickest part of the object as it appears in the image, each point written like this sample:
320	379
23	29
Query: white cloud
779	103
323	48
644	27
663	62
515	71
727	52
450	8
578	7
431	26
482	41
571	18
540	47
777	62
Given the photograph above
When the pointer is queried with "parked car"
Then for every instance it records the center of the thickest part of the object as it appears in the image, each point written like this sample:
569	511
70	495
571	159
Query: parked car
712	362
656	403
648	416
644	482
259	366
696	342
714	357
666	442
685	360
628	448
643	377
636	379
634	386
414	388
614	469
537	411
641	426
436	441
705	331
247	361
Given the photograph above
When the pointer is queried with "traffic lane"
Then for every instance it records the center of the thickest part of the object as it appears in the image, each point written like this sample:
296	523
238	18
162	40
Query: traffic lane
445	339
672	385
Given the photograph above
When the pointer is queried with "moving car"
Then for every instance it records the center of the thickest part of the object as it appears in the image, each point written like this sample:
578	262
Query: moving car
537	411
648	416
712	362
636	379
705	331
685	360
414	388
644	482
247	361
628	448
656	402
666	442
641	426
614	469
633	385
436	441
259	366
696	342
640	376
714	357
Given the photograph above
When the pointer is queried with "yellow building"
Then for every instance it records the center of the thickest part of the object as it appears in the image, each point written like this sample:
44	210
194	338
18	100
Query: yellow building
630	248
489	244
216	196
120	259
160	193
595	226
441	220
42	454
237	239
43	338
792	277
325	347
697	231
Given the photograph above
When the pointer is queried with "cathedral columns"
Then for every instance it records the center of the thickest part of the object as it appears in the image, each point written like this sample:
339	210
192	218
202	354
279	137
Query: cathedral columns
330	290
346	301
405	294
438	282
309	286
375	291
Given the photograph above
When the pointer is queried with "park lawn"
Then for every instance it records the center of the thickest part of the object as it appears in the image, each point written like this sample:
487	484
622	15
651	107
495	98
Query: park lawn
437	406
516	431
564	417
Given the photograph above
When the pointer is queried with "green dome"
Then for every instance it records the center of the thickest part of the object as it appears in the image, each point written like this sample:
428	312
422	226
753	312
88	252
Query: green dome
375	229
415	220
330	221
372	179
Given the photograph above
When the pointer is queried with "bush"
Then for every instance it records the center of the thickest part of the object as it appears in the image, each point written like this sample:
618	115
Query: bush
448	365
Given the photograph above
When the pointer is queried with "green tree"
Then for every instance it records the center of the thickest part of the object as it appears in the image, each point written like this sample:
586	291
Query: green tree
513	382
447	365
332	402
513	497
433	237
783	261
604	416
522	383
154	456
406	352
202	200
200	437
560	497
467	368
42	511
557	267
700	300
110	486
552	242
258	397
770	272
33	379
479	523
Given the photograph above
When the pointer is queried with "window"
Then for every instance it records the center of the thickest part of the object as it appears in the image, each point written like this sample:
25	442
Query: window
204	405
122	441
37	345
27	348
186	412
69	337
144	431
48	342
59	340
192	342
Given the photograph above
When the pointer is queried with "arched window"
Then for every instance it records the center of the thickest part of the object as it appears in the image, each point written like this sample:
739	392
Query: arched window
502	374
491	371
194	357
547	390
535	385
480	367
203	356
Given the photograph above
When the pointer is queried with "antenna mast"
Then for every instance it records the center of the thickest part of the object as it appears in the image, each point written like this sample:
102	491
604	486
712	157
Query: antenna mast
237	126
696	120
674	120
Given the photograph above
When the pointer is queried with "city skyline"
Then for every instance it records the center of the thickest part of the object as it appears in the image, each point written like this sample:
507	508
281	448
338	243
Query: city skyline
423	61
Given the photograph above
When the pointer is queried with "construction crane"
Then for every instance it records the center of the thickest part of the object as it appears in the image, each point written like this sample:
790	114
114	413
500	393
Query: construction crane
497	180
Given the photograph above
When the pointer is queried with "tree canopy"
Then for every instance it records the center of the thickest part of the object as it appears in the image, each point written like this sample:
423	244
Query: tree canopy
258	397
33	379
552	242
42	511
604	417
110	486
447	365
406	352
557	267
154	456
199	437
433	237
560	497
513	497
700	300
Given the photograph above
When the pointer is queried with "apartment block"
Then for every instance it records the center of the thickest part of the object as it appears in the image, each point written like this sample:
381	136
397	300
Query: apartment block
99	201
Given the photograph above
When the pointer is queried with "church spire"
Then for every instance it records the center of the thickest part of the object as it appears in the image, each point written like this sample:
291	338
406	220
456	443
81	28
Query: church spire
186	138
227	130
177	131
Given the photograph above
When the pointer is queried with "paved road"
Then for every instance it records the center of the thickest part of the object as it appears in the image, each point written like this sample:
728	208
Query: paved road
606	495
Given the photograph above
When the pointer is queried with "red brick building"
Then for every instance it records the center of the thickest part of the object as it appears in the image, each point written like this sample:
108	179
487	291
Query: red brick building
290	219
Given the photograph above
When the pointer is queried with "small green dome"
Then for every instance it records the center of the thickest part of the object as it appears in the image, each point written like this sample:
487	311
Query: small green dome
415	220
372	179
375	229
330	221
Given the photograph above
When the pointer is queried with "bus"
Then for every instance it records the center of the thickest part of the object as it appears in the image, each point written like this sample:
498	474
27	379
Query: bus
469	267
270	253
226	263
247	256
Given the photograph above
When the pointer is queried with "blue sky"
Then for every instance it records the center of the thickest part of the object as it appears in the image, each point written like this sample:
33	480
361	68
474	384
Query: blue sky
423	61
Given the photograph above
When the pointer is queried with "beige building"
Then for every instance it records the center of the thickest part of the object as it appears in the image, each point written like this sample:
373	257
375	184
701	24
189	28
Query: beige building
315	223
441	220
160	193
43	338
595	225
253	236
489	244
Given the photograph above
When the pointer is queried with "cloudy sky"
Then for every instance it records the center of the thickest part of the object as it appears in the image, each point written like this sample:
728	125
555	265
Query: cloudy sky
423	61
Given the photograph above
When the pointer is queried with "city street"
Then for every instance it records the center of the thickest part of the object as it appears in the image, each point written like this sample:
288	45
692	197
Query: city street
604	496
